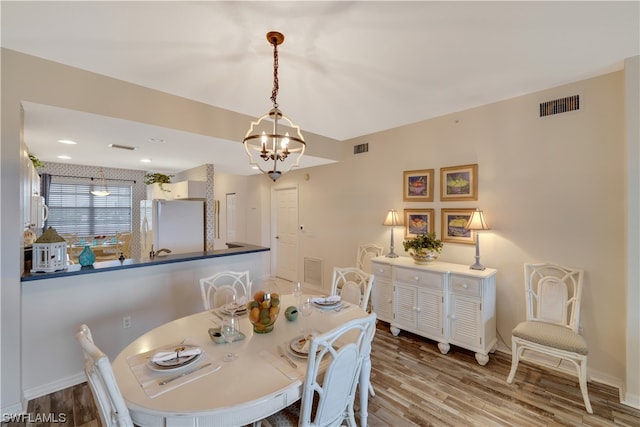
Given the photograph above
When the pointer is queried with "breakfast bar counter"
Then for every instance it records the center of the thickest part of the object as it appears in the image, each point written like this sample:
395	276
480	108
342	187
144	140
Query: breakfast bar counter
102	266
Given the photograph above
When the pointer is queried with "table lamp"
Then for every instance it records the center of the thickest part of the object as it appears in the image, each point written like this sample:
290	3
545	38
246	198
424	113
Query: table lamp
392	220
477	223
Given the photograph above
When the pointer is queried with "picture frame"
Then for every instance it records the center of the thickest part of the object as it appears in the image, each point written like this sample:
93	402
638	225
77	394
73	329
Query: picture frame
452	226
459	183
418	221
418	185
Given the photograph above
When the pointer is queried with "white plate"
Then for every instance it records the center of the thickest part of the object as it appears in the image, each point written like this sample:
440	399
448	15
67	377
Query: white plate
327	303
296	348
242	309
173	364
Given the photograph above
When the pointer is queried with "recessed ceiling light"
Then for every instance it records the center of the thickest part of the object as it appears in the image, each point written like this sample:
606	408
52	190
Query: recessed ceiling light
145	160
67	141
156	140
64	157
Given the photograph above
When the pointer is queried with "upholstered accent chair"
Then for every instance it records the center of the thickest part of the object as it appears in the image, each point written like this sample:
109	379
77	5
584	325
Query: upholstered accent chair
553	294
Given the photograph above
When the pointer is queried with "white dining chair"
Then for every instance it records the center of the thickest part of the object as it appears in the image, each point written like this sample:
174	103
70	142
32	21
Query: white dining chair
109	401
553	295
353	285
328	397
365	253
217	287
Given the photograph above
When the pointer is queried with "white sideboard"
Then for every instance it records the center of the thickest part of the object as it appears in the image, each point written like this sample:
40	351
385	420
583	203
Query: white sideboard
448	303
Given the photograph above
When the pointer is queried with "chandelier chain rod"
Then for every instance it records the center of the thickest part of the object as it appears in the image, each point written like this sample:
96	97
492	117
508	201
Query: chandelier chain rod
276	86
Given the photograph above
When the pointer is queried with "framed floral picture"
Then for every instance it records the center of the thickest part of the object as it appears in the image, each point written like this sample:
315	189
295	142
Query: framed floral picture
418	221
453	222
418	186
459	183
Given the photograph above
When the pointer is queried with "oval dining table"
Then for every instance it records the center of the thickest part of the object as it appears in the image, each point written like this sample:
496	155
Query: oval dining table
212	392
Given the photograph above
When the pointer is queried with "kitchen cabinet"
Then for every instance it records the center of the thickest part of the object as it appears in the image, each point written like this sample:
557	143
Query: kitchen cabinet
189	190
31	187
177	190
448	303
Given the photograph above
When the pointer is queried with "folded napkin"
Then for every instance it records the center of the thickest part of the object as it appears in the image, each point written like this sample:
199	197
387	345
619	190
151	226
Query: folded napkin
163	356
326	300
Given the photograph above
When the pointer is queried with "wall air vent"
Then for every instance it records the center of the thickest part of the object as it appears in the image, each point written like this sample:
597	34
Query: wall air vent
313	271
562	105
122	147
361	148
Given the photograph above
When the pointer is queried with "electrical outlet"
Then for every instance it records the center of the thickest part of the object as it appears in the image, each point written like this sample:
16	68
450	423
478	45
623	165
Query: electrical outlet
126	322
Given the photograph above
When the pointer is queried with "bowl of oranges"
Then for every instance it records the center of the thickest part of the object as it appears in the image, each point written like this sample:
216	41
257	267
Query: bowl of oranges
263	311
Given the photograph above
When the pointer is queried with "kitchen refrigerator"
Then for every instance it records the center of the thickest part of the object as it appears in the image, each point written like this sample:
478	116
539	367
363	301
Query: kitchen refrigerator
177	225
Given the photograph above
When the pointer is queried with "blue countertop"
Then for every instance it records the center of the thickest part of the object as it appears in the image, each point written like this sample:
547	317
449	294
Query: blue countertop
99	267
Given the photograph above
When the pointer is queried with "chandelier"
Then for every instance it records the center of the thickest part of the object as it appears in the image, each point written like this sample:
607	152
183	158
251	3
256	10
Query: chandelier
102	190
265	139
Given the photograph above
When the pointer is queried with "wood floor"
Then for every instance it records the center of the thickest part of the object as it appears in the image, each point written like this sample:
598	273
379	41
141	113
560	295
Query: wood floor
416	385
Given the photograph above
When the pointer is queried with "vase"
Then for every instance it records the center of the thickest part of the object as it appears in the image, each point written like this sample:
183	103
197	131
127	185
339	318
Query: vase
86	257
264	308
424	256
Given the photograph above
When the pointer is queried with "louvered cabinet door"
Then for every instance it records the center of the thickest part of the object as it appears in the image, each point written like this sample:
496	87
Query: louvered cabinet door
465	322
405	300
431	314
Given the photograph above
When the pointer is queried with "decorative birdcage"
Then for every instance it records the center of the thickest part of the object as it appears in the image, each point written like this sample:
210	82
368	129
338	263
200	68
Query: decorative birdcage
49	253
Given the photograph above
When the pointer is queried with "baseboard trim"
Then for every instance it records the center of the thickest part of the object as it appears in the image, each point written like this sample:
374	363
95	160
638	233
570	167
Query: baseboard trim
14	409
43	390
630	399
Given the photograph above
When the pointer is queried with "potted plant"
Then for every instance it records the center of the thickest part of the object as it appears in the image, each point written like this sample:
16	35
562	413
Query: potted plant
423	248
158	178
36	161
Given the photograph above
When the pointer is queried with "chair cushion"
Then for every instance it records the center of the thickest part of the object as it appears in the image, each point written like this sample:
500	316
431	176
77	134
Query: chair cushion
551	335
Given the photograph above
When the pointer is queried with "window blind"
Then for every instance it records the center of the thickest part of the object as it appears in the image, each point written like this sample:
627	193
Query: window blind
73	209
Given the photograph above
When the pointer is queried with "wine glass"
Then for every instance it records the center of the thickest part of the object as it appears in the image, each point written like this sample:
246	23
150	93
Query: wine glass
230	330
297	292
231	303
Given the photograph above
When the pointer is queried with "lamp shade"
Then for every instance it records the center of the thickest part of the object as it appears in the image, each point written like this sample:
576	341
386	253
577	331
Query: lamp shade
392	218
477	221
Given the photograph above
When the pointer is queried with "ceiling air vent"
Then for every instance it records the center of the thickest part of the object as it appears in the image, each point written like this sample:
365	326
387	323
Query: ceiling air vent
361	148
562	105
122	147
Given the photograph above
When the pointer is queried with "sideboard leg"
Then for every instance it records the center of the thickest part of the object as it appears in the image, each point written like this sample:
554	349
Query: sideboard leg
482	358
395	331
443	347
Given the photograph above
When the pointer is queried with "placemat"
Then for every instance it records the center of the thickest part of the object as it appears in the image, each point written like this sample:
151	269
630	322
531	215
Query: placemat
150	380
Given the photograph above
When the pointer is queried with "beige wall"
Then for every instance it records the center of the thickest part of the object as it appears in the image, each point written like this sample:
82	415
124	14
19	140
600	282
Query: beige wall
552	189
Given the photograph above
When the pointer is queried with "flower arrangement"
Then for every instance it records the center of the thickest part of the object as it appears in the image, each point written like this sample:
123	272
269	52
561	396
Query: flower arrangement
424	247
158	178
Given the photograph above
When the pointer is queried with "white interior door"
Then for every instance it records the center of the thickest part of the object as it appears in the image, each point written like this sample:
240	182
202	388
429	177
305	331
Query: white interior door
285	233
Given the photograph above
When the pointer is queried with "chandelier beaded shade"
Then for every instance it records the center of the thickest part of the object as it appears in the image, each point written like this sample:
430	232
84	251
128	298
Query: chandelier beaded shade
273	143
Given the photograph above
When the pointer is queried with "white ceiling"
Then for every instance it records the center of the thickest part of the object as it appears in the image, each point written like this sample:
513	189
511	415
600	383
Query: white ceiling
346	68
